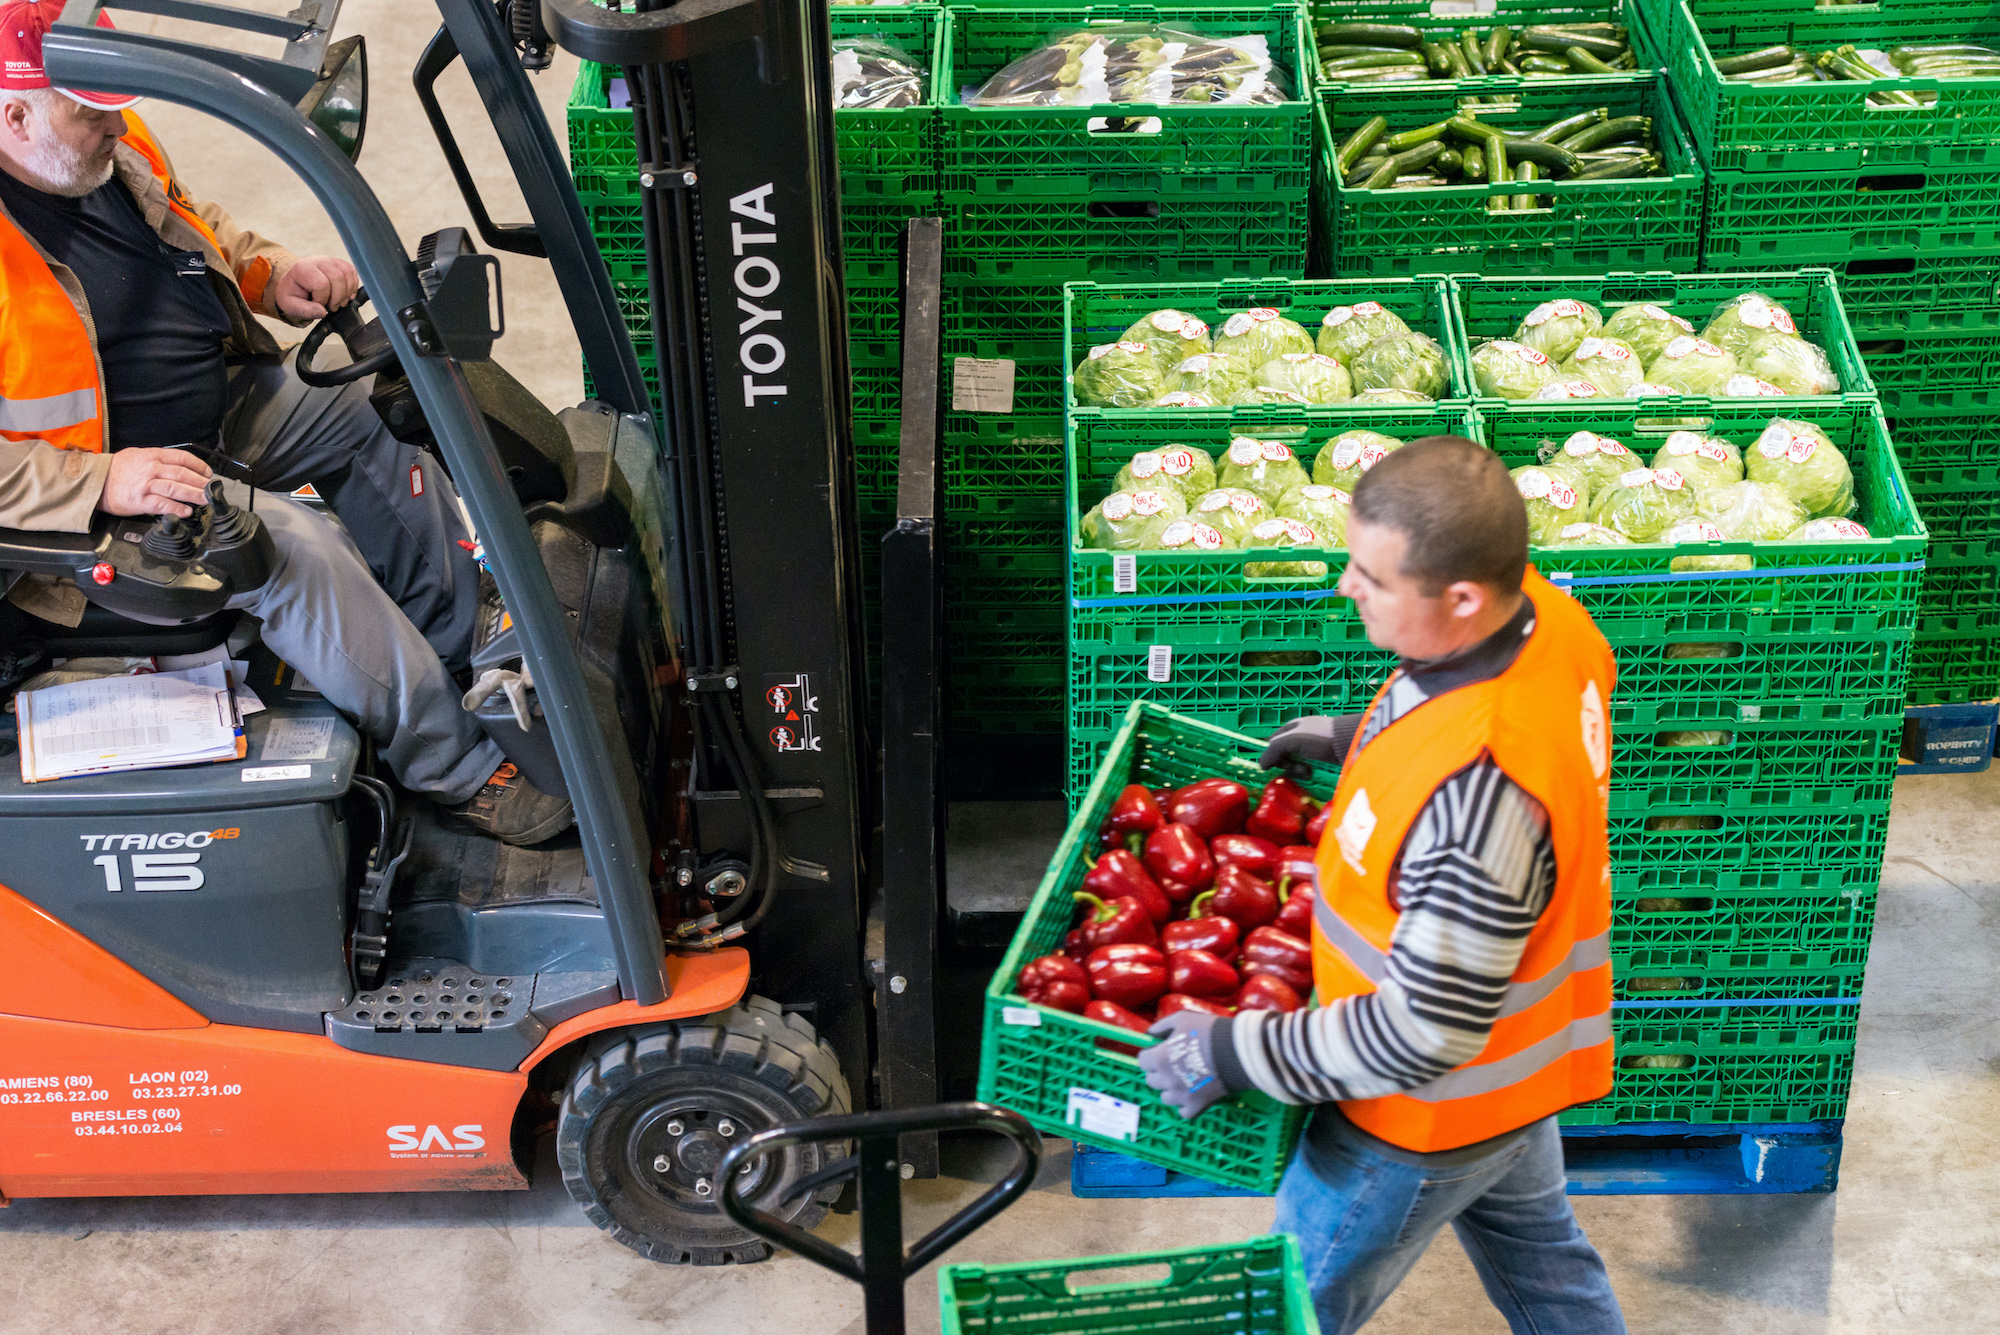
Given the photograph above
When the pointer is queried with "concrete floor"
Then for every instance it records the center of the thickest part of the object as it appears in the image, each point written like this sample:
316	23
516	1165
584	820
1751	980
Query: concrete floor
1910	1242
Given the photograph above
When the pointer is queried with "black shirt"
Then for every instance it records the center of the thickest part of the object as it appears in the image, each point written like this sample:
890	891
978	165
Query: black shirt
160	324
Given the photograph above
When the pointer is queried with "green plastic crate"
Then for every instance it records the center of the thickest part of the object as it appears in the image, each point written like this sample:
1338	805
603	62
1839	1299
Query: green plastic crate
1718	1066
1958	501
1040	241
1956	368
1928	438
1919	294
1648	223
1742	841
1793	217
1037	1061
1023	322
1252	1288
1709	927
1076	152
1003	454
1489	308
1450	17
1955	669
1807	127
1097	313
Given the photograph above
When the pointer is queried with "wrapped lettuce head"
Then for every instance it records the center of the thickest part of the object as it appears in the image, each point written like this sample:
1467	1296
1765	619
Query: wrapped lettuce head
1557	328
1285	533
1692	366
1408	361
1829	530
1128	521
1588	534
1802	461
1181	398
1174	336
1553	498
1186	470
1504	369
1121	375
1613	366
1645	503
1700	530
1214	375
1264	396
1232	512
1594	462
1789	362
1705	461
1342	460
1266	467
1381	398
1743	385
1191	535
1348	330
1312	376
1750	511
1745	316
1261	334
1569	387
1646	329
1325	508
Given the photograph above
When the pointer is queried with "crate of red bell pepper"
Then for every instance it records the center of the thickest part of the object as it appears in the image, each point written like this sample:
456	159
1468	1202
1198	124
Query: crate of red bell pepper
1184	882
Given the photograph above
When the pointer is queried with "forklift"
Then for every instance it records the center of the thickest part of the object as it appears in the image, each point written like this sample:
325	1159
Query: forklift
254	976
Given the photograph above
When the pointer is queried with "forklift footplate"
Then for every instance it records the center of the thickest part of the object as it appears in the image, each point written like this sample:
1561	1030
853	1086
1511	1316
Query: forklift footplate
439	1010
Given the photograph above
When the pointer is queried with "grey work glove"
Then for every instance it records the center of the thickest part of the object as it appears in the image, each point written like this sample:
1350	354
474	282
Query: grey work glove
515	685
1183	1069
1322	737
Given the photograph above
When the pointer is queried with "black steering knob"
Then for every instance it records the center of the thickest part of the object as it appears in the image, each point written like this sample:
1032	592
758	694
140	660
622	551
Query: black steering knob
368	348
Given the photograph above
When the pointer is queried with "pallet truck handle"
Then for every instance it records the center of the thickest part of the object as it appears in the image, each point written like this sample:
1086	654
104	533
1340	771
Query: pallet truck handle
883	1264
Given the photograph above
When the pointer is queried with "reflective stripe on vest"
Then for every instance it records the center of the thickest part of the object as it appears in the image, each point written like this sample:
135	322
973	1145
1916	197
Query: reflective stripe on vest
1465	1081
49	413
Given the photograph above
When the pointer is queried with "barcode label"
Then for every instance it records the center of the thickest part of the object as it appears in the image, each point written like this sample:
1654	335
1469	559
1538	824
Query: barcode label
1125	573
1160	663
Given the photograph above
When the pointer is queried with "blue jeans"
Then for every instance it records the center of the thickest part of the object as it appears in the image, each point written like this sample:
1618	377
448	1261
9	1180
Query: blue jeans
1363	1217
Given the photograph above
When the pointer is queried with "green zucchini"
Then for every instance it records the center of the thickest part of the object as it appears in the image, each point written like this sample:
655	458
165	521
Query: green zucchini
1543	37
1475	54
1408	139
1382	60
1526	171
1543	65
1583	62
1405	74
1372	34
1648	165
1356	145
1616	130
1403	164
1766	58
1497	45
1434	56
1550	156
1455	55
1363	169
1475	162
1557	131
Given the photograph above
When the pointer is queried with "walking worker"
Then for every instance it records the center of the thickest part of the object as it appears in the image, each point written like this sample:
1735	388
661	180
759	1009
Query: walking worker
1461	948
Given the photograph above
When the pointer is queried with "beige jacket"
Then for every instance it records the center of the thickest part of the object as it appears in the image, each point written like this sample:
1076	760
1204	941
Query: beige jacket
55	490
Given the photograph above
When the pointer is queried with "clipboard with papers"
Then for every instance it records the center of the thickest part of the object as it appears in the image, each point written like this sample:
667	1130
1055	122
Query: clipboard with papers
150	721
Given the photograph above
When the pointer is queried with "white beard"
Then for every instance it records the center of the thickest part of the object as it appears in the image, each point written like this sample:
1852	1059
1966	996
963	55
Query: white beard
61	170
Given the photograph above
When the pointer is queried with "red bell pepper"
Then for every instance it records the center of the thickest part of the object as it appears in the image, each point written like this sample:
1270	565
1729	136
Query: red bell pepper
1268	950
1210	807
1110	1012
1316	827
1295	915
1268	992
1131	975
1240	897
1297	865
1196	973
1174	1001
1179	861
1074	945
1220	937
1161	797
1119	873
1134	815
1115	921
1058	981
1281	812
1257	856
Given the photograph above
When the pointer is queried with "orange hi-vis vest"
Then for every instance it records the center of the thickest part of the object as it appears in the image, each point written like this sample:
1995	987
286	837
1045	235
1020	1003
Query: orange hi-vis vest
1544	722
51	382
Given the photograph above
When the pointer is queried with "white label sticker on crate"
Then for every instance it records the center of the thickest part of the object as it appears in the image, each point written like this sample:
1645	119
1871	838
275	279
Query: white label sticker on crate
982	385
1124	573
1451	9
1025	1015
1749	713
1160	663
1102	1115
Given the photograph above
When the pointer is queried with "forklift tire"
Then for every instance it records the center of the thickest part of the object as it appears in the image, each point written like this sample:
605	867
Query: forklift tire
651	1111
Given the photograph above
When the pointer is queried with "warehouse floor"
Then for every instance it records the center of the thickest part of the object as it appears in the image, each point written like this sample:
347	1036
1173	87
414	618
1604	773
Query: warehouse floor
1909	1243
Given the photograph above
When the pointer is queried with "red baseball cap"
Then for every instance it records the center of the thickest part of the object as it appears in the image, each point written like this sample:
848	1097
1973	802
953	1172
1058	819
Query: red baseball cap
22	23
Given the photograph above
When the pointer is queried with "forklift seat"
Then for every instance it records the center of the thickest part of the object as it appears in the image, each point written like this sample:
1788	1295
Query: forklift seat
104	633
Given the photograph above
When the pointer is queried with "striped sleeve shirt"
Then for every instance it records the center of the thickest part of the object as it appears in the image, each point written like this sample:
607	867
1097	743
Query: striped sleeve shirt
1473	877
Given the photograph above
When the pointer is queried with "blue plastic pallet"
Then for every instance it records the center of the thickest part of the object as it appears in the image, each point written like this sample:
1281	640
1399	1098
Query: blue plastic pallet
1948	739
1653	1159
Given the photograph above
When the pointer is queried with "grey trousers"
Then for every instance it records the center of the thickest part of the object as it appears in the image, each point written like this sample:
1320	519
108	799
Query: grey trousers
395	500
324	613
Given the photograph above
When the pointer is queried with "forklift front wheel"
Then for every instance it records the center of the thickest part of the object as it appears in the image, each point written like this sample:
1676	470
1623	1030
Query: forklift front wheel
650	1113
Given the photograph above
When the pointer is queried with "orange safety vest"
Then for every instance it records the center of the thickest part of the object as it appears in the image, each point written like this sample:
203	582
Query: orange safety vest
51	383
1544	722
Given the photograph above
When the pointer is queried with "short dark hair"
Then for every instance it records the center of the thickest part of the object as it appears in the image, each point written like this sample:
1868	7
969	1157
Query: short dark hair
1456	503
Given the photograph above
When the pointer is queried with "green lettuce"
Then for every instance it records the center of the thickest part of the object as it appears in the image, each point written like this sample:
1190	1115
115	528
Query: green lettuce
1121	375
1588	534
1608	363
1266	467
1312	376
1348	330
1325	508
1214	374
1802	461
1503	369
1186	470
1557	328
1743	318
1553	499
1646	328
1127	521
1174	336
1286	533
1792	364
1698	530
1260	334
1342	460
1829	530
1692	366
1191	535
1594	461
1645	503
1407	361
1705	461
1751	511
1232	512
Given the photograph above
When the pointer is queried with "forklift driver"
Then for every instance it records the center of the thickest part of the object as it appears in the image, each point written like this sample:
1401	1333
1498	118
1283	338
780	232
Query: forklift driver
129	348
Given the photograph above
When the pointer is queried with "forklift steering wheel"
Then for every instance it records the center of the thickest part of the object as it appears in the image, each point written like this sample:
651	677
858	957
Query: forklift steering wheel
367	345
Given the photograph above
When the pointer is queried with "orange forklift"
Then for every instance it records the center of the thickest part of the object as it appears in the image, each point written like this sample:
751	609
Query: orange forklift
283	973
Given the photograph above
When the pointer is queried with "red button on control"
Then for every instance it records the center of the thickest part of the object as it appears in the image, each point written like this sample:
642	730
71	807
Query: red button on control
102	572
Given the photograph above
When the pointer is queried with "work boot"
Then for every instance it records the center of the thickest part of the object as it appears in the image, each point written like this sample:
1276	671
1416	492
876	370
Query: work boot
513	810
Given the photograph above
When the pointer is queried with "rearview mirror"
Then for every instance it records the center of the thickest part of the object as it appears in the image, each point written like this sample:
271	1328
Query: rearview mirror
338	102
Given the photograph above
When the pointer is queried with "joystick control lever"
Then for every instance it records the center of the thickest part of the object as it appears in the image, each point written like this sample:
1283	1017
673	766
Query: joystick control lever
236	545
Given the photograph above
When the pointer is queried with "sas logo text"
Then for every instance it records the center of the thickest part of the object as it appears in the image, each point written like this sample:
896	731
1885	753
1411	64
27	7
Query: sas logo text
431	1142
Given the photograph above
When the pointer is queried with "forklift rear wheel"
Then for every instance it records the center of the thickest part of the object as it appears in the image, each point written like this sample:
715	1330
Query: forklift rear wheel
652	1110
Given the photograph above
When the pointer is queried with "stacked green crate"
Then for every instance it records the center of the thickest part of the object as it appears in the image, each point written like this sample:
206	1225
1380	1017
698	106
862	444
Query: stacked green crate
1035	196
1904	204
